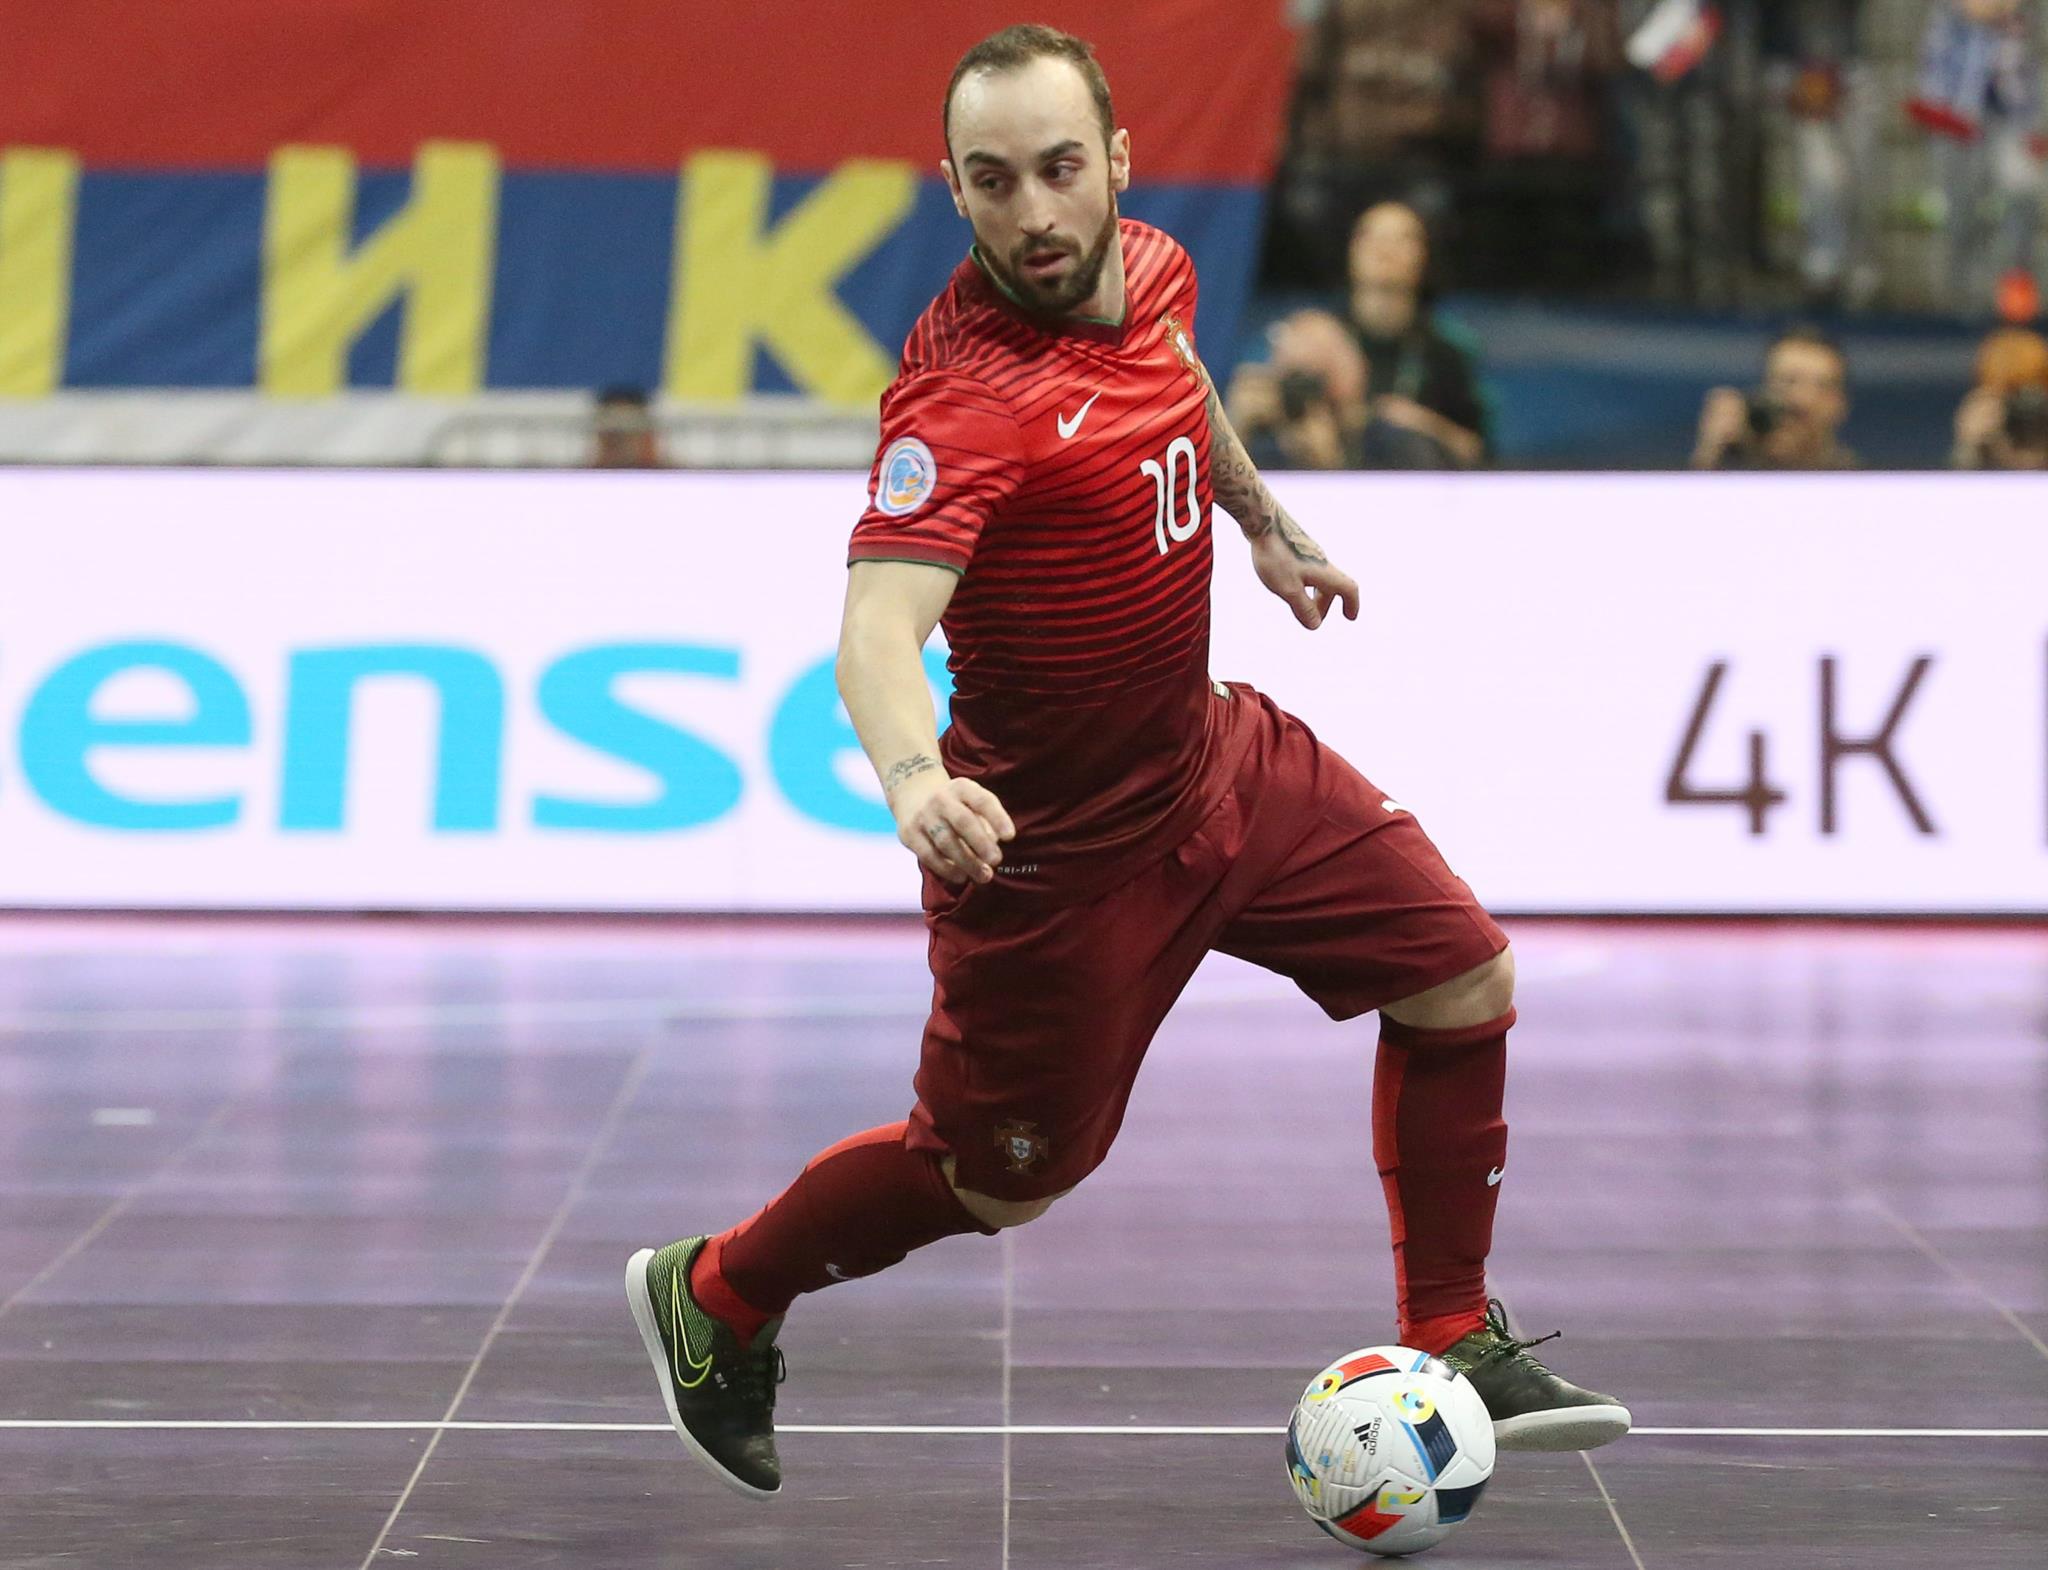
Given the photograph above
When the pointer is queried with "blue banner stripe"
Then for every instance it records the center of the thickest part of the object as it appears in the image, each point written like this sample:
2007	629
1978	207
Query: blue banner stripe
167	275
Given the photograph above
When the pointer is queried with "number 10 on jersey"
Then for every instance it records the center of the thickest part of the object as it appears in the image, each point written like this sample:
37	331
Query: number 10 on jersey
1166	481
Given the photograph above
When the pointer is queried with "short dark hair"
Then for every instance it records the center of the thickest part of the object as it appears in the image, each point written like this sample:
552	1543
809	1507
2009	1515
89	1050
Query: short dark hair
1813	337
1016	47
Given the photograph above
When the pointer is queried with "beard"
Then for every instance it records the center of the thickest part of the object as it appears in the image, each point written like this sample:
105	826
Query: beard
1060	296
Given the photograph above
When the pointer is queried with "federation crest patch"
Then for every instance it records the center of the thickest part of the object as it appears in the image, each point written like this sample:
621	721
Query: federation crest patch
1177	338
908	475
1023	1144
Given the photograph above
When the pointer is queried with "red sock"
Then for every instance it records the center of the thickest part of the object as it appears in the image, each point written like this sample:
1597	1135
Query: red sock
1441	1145
857	1209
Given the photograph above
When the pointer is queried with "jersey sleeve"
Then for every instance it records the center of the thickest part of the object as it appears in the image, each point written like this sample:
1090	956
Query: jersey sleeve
950	458
1188	291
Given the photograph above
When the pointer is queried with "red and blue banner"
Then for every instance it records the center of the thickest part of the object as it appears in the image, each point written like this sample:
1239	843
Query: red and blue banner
711	200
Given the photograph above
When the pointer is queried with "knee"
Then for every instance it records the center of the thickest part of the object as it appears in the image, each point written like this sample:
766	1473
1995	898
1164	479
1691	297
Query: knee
1478	997
999	1213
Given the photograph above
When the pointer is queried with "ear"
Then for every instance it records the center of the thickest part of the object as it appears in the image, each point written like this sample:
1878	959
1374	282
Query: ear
953	185
1120	161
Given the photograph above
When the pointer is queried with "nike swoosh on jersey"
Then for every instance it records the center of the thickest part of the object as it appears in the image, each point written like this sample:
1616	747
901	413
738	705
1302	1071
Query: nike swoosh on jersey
1067	428
1493	1178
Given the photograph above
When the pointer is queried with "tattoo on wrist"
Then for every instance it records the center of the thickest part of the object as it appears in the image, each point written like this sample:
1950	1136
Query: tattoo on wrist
917	763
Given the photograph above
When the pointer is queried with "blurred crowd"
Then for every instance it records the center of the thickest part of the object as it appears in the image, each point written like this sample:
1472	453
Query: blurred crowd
1563	147
1713	151
1378	380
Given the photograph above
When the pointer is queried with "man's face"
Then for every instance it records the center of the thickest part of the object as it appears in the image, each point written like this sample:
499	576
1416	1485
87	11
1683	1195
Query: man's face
1389	248
1806	381
1031	173
624	437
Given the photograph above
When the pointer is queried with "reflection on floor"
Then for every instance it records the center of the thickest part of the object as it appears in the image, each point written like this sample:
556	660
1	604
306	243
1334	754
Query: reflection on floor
294	1176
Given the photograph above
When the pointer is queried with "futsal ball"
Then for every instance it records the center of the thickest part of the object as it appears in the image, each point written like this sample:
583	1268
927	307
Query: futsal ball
1388	1449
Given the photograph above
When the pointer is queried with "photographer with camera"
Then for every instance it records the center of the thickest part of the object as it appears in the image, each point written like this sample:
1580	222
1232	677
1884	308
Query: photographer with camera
1383	386
1305	408
2003	423
1793	421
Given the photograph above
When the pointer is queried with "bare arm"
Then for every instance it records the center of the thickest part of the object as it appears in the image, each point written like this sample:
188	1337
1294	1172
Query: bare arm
1243	493
953	825
1288	562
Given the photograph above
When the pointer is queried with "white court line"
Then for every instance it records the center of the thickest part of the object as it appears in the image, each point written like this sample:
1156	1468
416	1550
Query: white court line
1614	1513
962	1430
568	1011
1009	1328
636	1071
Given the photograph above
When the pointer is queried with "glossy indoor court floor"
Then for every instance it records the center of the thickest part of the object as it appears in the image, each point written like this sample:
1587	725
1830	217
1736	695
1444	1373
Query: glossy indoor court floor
312	1236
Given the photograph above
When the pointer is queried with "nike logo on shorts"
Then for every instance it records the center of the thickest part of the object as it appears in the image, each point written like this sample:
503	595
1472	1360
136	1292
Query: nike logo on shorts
1493	1178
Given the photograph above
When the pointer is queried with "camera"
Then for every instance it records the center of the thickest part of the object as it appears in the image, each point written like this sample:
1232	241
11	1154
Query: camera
1301	391
1766	414
2026	416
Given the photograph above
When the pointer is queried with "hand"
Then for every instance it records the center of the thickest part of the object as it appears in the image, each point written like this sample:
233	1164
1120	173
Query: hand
1724	424
1980	421
1294	567
1254	400
1315	441
1406	413
954	826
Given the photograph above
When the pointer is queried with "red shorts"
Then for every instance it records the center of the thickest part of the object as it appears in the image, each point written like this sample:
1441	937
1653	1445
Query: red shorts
1041	1012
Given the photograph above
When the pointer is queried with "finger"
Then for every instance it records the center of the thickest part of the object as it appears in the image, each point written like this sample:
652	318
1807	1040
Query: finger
936	853
983	800
1346	589
1305	609
952	839
1332	586
974	836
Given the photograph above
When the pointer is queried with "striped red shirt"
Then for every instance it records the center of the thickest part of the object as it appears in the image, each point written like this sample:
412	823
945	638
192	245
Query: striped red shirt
1063	470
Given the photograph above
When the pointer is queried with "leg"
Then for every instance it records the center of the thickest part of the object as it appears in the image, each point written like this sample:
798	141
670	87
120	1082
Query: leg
1440	1144
1362	913
1039	1021
998	1215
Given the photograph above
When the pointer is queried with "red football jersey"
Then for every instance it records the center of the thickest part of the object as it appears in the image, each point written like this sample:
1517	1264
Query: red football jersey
1063	470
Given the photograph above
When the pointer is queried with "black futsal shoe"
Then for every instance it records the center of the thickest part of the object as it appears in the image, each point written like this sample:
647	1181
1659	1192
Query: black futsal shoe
1532	1408
720	1394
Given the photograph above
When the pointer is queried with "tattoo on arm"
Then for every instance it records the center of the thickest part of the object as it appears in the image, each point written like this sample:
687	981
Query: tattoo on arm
917	763
1244	495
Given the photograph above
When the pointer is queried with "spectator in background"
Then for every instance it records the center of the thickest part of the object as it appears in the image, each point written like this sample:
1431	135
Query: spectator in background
1383	108
1979	97
1420	404
1794	421
1423	385
1305	408
2003	423
1687	119
622	431
1832	92
1535	213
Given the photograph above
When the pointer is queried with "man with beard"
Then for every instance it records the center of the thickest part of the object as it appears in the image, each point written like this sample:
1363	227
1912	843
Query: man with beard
1101	813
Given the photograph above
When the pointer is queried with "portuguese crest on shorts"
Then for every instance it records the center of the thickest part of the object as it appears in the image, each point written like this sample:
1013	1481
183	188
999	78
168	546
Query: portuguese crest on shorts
1023	1144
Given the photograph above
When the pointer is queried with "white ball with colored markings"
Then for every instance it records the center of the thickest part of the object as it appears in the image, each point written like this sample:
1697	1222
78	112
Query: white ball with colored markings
1389	1449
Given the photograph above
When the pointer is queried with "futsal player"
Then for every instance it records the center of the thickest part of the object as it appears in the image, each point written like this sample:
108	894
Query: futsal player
1101	813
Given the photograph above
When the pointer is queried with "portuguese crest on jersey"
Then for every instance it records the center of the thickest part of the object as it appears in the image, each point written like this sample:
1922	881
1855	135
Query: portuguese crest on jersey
1176	334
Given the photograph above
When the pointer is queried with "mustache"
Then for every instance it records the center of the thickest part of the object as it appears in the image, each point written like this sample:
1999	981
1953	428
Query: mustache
1029	248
